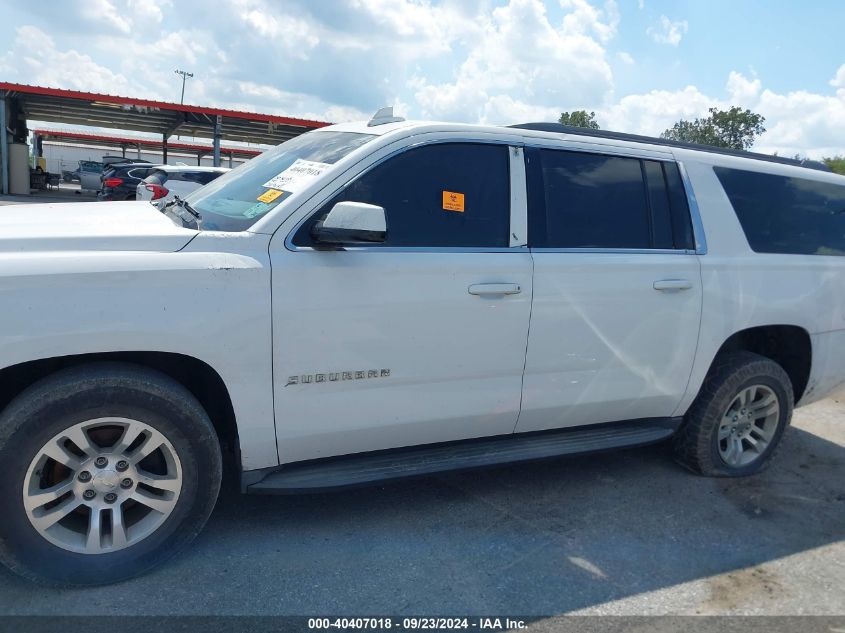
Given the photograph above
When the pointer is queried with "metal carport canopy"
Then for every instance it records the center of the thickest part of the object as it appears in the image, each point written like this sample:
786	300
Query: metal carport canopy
157	117
120	142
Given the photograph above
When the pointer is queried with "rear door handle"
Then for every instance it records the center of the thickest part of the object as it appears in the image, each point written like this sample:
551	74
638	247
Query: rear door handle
672	285
494	289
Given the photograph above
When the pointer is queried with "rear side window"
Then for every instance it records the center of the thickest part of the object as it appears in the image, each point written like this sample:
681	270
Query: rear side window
139	172
787	215
200	177
443	195
584	200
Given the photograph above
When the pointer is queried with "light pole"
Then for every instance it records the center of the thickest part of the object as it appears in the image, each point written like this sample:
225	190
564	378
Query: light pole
185	75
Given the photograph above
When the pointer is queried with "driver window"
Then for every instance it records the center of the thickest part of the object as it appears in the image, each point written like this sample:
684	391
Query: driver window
441	195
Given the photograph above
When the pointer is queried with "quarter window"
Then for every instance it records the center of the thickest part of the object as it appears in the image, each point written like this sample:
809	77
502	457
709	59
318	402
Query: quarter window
585	200
442	195
787	215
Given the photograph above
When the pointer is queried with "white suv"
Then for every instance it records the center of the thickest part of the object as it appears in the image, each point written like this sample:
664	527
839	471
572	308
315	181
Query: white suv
390	299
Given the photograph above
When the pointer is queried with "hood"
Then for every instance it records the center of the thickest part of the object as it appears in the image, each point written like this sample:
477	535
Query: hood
89	226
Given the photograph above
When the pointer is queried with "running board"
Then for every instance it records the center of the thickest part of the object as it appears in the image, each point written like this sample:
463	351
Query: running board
368	468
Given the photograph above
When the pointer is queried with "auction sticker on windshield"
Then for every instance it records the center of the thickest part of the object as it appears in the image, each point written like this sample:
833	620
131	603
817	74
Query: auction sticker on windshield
297	176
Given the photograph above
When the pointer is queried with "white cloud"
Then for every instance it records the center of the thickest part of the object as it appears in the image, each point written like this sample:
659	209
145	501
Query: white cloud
36	59
668	32
797	122
742	91
105	12
147	11
625	58
838	80
520	61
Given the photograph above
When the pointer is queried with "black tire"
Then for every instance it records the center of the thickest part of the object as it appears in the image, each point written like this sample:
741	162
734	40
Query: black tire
98	390
696	442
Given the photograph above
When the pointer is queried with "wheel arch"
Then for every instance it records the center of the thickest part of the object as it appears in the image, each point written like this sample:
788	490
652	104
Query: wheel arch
790	346
200	378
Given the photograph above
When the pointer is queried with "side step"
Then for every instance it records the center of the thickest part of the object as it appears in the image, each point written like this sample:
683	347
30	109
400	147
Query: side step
367	468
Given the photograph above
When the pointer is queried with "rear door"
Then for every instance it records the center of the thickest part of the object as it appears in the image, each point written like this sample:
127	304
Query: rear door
417	340
617	289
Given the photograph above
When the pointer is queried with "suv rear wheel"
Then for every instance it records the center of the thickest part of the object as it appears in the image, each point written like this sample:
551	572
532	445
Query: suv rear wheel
110	470
736	422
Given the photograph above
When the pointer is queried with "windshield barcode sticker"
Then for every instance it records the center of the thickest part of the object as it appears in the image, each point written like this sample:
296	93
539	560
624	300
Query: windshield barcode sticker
297	176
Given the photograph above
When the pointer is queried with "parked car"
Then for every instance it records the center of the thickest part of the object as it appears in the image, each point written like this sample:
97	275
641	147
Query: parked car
89	175
168	181
390	299
113	160
120	180
69	175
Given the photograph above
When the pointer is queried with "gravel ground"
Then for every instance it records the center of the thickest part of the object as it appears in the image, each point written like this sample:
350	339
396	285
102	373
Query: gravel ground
621	533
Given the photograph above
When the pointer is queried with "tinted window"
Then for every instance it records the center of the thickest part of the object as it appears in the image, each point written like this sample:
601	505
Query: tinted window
658	199
583	200
139	172
787	215
455	194
200	177
681	223
592	201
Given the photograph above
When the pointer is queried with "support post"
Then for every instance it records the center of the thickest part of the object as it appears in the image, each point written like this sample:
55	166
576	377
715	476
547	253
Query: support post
230	160
123	150
164	148
4	145
139	151
218	124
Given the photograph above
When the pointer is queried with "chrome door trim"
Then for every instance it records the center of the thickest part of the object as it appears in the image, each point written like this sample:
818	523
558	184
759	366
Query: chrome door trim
695	213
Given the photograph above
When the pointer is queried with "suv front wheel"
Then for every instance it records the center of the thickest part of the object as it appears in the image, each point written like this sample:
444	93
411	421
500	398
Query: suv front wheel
736	422
109	469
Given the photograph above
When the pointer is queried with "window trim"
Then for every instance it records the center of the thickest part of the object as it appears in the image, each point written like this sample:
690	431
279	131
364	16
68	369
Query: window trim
517	202
625	152
698	233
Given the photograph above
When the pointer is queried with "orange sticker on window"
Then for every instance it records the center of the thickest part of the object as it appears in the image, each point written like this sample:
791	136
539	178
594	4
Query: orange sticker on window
453	201
269	195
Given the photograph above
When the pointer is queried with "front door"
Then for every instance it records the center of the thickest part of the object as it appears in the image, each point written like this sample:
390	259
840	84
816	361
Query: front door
417	340
617	290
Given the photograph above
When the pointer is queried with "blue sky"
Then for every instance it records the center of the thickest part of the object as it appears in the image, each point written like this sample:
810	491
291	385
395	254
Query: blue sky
639	64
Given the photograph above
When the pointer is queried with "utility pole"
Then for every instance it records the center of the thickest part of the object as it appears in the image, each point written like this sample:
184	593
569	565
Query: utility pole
185	75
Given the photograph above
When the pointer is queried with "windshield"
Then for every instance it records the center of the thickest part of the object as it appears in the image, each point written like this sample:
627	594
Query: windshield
236	200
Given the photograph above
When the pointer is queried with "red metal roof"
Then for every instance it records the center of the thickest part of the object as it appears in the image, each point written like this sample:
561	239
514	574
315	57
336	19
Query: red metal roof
162	105
91	139
144	115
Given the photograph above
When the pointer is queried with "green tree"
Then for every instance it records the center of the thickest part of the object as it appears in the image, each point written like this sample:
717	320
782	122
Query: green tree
735	129
836	164
579	118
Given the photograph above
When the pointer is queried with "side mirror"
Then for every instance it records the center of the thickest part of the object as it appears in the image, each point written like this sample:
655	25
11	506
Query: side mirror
351	223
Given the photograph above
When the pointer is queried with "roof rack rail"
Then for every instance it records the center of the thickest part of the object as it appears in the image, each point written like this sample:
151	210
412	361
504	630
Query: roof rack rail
559	128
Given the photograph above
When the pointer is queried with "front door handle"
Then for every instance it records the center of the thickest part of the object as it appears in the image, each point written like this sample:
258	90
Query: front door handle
672	285
494	289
